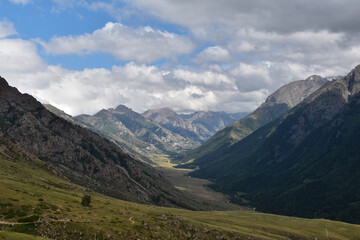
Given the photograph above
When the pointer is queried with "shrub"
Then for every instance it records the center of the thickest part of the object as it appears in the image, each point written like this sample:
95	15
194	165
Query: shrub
86	200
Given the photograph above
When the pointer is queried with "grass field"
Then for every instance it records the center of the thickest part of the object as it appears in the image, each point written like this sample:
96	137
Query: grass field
35	202
18	236
196	187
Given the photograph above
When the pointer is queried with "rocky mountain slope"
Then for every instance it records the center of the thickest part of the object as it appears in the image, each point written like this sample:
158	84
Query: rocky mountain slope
157	131
305	163
198	126
126	127
60	113
78	154
170	120
275	105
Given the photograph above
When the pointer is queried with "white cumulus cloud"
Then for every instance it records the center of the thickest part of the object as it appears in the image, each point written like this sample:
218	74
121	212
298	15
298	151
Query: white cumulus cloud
17	56
213	54
143	44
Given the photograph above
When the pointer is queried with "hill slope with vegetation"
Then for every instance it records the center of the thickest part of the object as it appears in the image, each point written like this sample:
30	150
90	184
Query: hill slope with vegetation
38	203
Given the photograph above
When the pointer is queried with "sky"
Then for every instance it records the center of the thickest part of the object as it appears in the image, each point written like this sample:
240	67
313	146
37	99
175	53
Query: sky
86	55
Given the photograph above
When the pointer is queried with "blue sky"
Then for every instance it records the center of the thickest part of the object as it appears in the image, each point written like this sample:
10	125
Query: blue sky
82	56
46	20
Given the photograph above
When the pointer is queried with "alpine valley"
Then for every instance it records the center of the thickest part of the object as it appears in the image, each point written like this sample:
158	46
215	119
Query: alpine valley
297	155
179	120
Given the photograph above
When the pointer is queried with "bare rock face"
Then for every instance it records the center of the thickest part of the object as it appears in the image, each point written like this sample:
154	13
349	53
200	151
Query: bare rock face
82	156
198	126
129	128
293	93
165	116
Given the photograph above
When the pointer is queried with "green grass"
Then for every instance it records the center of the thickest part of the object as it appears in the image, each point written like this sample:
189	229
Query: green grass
35	202
161	160
18	236
196	188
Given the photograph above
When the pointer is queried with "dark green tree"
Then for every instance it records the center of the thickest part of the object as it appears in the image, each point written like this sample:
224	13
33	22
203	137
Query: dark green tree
86	199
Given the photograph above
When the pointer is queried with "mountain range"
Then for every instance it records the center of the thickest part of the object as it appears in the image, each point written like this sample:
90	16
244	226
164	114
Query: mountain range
278	103
157	131
199	126
305	163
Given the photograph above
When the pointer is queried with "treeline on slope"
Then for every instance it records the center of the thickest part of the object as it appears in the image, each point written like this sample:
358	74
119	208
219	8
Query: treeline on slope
305	163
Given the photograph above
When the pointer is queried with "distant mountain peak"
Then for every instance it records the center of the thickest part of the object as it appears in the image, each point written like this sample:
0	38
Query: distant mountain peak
164	110
123	108
353	81
162	115
357	69
314	78
293	93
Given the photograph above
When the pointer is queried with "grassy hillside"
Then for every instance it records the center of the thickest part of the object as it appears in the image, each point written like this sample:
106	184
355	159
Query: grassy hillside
4	235
34	201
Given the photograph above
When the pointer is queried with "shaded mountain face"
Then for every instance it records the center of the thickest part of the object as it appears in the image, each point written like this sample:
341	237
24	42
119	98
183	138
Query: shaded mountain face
275	106
131	129
80	155
305	163
198	126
